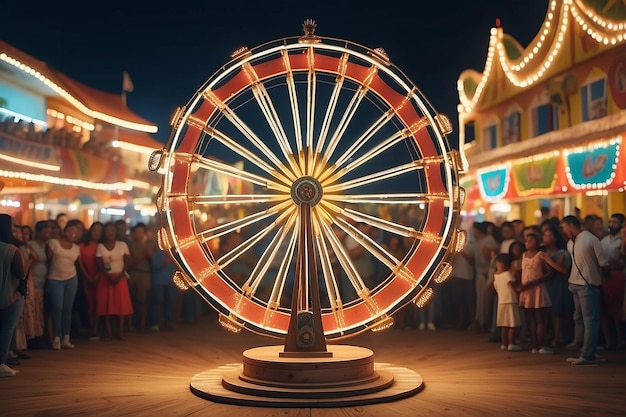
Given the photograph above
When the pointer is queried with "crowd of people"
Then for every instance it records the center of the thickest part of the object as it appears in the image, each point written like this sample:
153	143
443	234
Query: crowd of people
59	273
557	285
61	137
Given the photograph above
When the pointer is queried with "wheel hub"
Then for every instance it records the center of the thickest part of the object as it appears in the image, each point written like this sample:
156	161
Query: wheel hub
306	190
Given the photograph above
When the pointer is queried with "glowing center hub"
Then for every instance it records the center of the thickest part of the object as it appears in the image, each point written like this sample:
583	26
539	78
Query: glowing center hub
306	190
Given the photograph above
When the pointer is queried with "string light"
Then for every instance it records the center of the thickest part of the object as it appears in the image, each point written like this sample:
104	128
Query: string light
603	31
118	186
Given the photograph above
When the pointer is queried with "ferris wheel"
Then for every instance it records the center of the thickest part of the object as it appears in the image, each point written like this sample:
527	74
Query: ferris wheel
309	169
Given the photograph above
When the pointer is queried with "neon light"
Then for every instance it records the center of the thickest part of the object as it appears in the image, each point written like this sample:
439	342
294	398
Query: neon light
603	31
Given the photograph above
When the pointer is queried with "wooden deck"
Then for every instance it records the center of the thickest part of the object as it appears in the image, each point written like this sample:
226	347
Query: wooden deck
149	374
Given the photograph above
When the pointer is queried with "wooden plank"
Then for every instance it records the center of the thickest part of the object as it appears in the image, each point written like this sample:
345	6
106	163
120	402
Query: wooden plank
149	374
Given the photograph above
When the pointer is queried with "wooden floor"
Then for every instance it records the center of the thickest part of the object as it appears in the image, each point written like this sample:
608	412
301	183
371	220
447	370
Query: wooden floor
149	374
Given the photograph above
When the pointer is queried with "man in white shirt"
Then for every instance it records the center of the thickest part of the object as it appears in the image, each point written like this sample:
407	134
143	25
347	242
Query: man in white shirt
585	280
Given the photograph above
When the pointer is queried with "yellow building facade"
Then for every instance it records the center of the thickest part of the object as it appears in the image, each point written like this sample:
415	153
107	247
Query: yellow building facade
543	126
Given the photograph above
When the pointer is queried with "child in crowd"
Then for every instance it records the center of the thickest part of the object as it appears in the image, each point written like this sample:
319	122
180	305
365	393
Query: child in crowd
534	297
508	315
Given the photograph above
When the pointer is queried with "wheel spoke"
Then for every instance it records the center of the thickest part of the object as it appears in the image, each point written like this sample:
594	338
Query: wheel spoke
246	245
391	227
244	129
283	271
343	258
271	116
310	109
233	226
237	199
293	101
359	94
416	198
239	149
374	177
330	109
368	156
266	260
332	282
395	265
366	136
232	171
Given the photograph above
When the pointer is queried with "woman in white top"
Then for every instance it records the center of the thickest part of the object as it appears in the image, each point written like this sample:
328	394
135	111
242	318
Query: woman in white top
63	255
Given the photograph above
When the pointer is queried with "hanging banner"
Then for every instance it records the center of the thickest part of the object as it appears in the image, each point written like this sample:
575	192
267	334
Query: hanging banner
494	183
473	200
82	165
535	176
592	166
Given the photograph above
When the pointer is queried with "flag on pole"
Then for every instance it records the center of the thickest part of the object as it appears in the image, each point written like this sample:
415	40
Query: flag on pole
127	83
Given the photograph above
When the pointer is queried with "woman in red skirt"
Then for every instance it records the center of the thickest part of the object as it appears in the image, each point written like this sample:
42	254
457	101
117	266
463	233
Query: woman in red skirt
112	294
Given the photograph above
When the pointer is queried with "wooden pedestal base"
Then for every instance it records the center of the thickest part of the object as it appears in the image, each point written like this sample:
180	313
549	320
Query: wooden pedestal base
349	377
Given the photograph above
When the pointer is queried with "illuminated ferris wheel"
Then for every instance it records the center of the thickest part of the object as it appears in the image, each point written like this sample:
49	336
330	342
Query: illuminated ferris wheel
288	175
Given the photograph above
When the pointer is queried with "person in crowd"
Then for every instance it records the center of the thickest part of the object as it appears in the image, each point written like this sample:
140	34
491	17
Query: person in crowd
39	273
463	288
427	314
584	280
507	232
516	251
534	297
139	272
64	263
121	230
55	229
360	256
623	256
518	227
545	214
562	301
508	317
612	296
12	274
27	327
112	293
162	290
552	222
598	228
484	247
532	229
405	318
61	220
495	332
88	282
80	229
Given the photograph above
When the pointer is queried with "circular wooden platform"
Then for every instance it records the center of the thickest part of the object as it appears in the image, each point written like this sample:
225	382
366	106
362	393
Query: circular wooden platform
349	377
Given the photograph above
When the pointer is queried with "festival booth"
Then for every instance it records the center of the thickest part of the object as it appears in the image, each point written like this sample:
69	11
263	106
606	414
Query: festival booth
67	147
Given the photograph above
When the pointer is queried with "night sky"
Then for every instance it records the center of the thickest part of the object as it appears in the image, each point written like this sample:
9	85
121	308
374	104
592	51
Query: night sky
170	50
